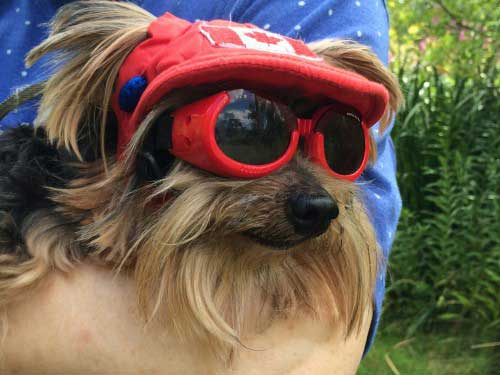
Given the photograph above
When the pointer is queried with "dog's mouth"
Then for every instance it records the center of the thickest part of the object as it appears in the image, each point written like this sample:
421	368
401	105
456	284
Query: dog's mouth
277	243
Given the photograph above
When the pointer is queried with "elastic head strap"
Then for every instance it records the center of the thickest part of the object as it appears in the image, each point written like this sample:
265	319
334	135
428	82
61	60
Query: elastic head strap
18	99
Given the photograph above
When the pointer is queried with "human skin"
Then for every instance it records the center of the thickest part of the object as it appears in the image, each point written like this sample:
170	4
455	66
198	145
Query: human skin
86	322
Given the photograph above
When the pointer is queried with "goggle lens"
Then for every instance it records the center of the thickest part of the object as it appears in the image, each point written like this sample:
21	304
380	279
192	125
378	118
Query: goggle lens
254	130
344	141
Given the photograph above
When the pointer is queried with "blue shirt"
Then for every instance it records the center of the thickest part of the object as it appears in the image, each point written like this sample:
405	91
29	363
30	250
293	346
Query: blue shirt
365	21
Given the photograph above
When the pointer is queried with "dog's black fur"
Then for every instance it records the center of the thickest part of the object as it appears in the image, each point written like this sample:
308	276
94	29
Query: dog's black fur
29	164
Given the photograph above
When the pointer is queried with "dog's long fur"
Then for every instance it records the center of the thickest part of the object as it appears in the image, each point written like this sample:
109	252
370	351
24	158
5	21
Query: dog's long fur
65	199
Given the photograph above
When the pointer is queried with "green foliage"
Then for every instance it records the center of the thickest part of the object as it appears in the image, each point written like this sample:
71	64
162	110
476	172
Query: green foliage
456	37
445	263
444	270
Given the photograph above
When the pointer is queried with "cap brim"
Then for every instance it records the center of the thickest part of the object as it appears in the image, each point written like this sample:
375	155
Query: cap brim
264	70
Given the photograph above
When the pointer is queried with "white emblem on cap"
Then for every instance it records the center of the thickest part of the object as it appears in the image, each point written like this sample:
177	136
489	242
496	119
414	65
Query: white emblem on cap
256	39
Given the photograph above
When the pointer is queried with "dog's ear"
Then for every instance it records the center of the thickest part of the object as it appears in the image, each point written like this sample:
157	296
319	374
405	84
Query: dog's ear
355	57
88	42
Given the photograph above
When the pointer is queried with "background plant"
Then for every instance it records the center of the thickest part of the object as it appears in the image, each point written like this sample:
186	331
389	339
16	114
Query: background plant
445	264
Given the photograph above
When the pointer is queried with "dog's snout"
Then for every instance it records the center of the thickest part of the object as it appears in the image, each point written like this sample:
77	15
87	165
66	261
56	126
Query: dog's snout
311	214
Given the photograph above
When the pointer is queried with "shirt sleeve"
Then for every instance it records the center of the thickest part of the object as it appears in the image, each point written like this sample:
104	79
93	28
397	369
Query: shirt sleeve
22	26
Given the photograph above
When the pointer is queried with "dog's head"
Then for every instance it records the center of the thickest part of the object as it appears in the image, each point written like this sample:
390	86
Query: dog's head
219	257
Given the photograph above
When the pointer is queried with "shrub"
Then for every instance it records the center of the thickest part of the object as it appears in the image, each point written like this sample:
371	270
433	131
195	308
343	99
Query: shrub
445	263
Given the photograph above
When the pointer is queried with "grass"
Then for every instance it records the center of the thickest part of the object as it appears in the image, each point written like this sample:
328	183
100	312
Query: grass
427	354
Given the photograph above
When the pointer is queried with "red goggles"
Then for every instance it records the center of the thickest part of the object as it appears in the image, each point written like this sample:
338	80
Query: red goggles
242	134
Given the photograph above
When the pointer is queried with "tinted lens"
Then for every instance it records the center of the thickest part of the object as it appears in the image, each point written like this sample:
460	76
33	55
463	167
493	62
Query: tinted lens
344	141
254	130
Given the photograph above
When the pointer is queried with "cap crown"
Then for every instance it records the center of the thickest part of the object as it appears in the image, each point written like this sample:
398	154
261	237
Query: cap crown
180	54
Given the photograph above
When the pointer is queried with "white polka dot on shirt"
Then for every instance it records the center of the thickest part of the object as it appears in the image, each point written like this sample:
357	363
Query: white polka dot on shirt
358	3
389	234
330	12
267	26
8	52
359	33
376	195
27	23
24	73
297	27
301	3
18	10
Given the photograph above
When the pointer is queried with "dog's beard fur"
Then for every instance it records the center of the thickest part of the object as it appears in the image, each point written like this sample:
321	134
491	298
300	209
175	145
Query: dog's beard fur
197	269
214	259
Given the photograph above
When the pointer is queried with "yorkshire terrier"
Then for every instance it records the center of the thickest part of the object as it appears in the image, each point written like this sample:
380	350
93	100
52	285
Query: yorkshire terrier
212	161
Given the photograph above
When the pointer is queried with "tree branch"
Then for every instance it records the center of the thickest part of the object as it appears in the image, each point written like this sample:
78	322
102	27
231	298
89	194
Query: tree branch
456	17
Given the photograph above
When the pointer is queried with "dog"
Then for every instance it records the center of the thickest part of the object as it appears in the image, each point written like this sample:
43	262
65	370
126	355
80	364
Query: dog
215	255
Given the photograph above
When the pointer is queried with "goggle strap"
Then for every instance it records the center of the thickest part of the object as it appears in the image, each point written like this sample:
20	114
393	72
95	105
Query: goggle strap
154	158
163	132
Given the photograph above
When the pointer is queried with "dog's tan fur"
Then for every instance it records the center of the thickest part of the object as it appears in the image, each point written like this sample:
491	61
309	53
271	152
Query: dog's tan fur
181	237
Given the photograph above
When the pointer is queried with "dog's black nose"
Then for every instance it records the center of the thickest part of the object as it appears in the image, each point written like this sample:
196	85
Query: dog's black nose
311	214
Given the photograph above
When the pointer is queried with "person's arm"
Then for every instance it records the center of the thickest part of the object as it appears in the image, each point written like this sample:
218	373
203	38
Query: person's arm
87	322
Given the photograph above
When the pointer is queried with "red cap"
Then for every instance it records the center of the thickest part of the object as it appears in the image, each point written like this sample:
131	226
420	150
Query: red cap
179	54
